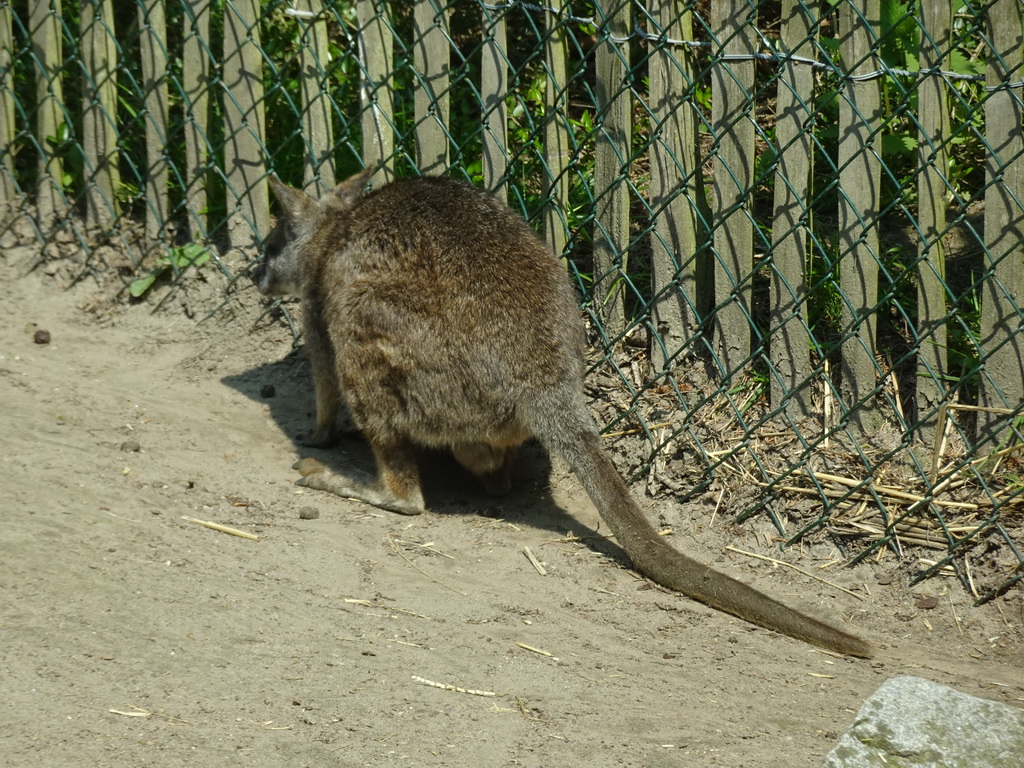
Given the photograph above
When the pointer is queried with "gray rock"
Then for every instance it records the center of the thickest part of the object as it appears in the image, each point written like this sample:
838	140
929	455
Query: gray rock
913	723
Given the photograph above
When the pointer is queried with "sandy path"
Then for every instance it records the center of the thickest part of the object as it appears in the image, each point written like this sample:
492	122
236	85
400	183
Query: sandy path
130	637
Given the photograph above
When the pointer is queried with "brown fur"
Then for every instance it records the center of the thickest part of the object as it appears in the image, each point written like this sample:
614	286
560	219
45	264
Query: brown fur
441	320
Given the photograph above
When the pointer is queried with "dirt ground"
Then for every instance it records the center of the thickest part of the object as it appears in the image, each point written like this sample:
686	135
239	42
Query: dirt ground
130	636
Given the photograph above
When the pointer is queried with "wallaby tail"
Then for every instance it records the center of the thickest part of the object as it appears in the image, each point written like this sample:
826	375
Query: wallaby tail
659	561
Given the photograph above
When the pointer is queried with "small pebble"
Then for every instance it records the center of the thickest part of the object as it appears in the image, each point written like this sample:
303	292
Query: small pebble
309	513
267	390
927	603
42	337
130	446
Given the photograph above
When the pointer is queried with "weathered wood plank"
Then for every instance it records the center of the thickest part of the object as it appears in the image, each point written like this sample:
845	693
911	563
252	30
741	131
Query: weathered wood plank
376	52
44	29
8	128
860	114
152	44
244	126
935	124
676	187
432	61
556	128
98	47
612	154
1002	330
494	85
733	129
196	86
317	124
788	332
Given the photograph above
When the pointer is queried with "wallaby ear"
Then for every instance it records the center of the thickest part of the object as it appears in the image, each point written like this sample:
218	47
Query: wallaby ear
297	204
345	194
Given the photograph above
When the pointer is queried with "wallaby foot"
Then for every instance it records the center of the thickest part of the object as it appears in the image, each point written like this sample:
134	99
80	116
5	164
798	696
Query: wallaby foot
396	490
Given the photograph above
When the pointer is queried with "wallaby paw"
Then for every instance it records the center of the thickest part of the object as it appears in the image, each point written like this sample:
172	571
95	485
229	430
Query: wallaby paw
315	482
308	466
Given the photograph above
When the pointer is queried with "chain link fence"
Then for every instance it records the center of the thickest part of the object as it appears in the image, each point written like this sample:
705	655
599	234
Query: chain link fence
797	228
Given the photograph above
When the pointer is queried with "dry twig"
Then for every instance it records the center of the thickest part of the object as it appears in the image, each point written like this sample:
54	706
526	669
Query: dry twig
397	551
534	561
455	688
795	568
223	528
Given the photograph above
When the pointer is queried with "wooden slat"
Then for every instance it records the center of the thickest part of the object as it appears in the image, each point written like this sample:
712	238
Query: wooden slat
611	165
676	189
244	126
317	126
99	113
494	85
556	129
788	333
376	52
1002	339
44	28
733	128
196	85
860	147
935	122
152	45
8	128
432	60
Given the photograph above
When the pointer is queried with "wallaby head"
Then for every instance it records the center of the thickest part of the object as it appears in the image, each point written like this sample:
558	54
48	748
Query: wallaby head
279	272
441	320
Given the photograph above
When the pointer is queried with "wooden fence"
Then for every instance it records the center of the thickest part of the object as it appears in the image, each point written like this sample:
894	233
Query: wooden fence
721	158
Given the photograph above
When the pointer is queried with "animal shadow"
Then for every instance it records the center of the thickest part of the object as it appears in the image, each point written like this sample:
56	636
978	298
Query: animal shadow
285	387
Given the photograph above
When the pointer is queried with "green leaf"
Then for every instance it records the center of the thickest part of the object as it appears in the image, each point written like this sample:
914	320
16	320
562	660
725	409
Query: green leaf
192	254
126	192
898	143
964	66
830	43
140	285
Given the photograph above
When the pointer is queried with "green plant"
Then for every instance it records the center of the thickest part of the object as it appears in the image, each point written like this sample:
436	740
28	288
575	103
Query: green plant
964	342
63	146
174	261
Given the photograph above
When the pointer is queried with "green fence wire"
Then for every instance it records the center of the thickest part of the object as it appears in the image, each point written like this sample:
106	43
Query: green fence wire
797	228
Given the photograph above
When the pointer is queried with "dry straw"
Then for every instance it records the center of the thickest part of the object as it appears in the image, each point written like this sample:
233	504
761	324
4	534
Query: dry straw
956	501
223	528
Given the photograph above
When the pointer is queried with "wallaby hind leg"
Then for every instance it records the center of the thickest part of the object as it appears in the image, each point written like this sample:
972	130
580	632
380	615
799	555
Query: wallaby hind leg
397	487
490	464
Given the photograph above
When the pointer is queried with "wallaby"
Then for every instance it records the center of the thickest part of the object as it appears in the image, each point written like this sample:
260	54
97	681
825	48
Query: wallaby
441	320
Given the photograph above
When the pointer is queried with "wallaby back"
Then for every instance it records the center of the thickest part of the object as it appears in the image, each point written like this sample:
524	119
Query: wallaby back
442	320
